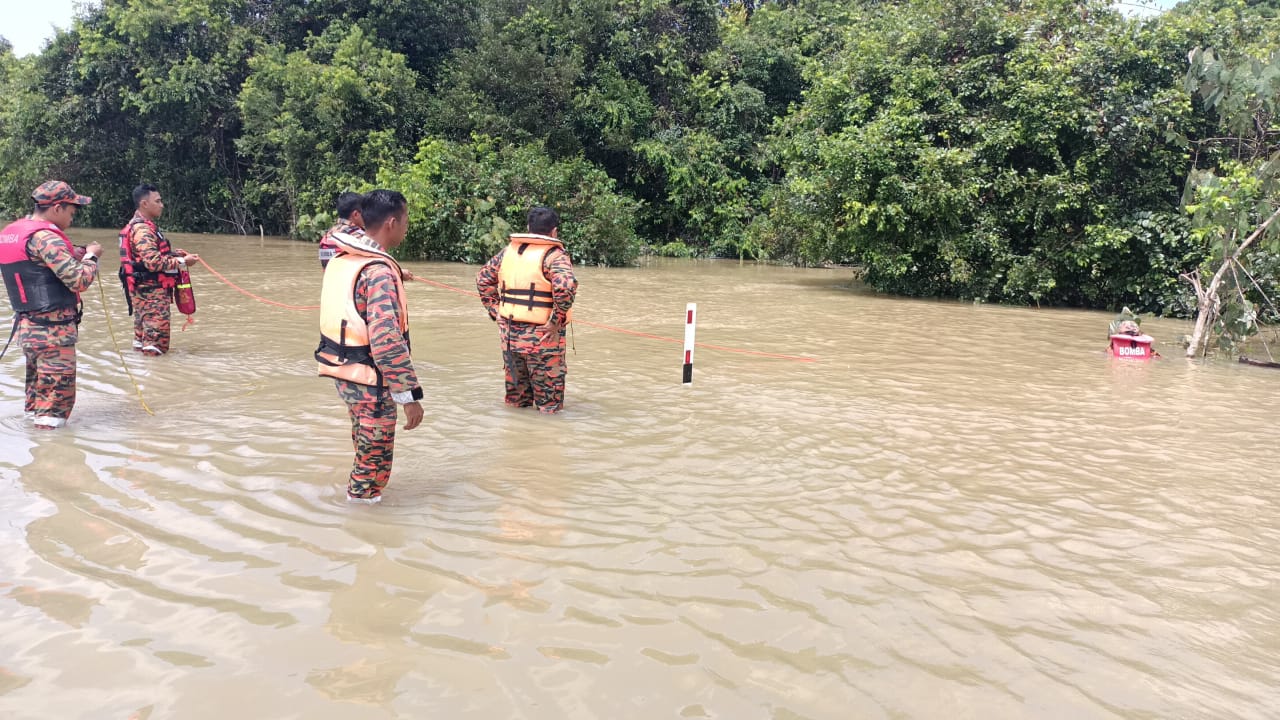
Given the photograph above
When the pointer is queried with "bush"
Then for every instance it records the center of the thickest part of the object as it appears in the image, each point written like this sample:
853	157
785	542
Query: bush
675	249
311	227
465	199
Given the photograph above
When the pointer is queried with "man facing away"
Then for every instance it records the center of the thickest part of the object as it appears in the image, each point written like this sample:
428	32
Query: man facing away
349	223
529	288
44	278
364	340
149	271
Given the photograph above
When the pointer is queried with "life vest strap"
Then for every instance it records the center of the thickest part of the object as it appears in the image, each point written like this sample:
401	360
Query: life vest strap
529	303
49	323
525	298
346	354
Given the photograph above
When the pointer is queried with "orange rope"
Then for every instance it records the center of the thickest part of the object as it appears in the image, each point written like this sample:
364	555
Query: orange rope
450	288
259	298
650	336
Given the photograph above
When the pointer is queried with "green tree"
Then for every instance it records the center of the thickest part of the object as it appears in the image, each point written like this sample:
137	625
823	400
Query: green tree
1001	152
425	32
151	97
1234	205
322	120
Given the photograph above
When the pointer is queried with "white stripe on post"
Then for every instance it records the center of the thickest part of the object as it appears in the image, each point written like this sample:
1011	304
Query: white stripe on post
690	316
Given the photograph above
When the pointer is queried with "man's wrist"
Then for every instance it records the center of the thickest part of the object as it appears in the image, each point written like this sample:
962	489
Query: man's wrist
89	257
407	396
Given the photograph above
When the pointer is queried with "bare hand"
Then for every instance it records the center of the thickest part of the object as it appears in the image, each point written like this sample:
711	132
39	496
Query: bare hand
406	276
412	415
190	259
94	249
550	330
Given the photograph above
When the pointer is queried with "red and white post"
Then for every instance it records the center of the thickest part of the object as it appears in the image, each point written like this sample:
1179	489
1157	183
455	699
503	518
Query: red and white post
690	316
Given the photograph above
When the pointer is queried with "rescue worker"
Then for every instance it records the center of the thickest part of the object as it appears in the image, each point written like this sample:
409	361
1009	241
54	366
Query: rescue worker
44	276
529	288
1128	327
1126	335
364	340
149	271
349	223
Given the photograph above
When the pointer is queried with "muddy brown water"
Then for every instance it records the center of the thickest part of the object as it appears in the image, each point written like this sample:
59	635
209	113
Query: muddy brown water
955	511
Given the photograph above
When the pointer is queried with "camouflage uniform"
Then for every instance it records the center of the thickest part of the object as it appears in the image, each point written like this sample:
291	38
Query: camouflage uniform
151	301
328	247
50	349
371	409
533	355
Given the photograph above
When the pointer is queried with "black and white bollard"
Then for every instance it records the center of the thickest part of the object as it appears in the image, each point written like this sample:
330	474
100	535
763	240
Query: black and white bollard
690	315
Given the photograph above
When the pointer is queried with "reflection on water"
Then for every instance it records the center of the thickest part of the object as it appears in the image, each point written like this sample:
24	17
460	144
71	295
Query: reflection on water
957	510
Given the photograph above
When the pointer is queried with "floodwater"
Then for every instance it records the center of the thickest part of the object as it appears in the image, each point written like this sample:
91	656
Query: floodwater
954	511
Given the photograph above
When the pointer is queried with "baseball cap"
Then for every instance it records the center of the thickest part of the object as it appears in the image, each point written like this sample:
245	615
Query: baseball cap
56	192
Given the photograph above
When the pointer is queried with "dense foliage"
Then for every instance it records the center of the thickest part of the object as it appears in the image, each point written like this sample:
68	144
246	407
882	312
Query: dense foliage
1032	151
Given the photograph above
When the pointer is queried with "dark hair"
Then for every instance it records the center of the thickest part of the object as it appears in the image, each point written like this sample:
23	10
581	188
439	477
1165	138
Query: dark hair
141	192
542	220
378	205
348	202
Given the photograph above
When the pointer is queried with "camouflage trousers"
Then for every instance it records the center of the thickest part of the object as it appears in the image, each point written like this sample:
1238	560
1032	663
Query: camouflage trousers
535	379
151	319
51	383
373	435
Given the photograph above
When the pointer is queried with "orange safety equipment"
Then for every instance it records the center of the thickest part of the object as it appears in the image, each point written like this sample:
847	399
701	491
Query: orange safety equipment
524	292
344	350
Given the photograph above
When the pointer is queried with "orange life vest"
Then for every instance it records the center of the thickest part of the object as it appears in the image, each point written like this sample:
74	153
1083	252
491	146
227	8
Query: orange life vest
344	350
524	292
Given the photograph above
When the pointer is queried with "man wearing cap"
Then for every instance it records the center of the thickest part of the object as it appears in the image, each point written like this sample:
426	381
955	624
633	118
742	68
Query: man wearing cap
149	270
44	275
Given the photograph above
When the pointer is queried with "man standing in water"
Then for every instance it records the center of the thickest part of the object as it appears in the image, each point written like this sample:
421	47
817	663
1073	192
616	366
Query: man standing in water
149	271
349	223
529	288
44	276
364	340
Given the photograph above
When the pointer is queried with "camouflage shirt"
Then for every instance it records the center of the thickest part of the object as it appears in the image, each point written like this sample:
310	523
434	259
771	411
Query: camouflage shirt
46	248
528	337
375	299
145	248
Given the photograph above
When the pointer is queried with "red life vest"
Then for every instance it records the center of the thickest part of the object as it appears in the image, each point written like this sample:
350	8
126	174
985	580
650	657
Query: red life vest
132	273
32	287
329	246
1132	347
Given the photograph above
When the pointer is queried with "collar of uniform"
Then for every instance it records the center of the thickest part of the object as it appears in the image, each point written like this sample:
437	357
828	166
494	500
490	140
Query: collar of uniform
359	243
531	237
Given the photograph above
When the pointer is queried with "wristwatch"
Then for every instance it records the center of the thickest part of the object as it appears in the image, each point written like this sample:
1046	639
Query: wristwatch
88	257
